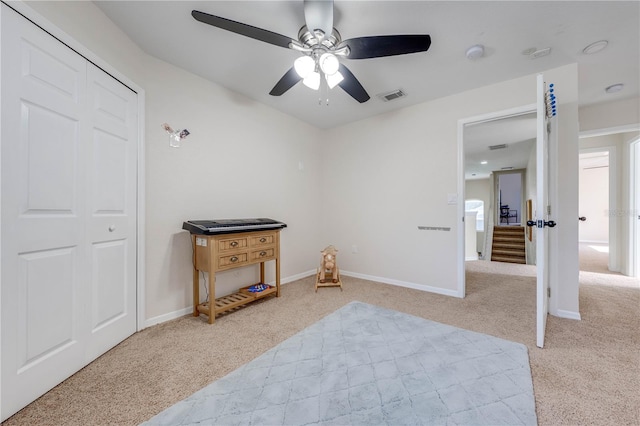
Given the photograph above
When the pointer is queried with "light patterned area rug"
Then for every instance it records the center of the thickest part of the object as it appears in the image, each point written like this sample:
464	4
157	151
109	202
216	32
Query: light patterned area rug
366	365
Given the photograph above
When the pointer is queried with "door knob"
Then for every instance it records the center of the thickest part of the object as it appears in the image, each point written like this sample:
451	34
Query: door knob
582	218
531	223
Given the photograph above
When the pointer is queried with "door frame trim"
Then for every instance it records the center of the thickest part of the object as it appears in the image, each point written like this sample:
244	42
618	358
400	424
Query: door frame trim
39	20
634	200
492	116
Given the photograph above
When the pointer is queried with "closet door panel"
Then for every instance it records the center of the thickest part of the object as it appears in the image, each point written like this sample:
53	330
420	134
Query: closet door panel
43	216
111	210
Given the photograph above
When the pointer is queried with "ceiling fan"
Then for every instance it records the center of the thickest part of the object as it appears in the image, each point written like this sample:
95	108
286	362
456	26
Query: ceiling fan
321	47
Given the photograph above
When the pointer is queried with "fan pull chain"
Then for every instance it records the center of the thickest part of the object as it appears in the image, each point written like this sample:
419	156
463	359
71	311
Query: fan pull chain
324	93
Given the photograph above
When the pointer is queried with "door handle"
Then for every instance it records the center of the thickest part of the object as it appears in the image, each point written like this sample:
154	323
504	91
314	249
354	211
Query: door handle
541	223
582	218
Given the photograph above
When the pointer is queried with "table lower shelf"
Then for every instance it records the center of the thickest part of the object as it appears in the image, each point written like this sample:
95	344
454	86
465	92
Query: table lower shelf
231	301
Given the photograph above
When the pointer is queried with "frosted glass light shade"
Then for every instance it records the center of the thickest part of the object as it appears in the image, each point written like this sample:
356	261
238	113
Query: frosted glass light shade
304	65
334	79
312	81
329	64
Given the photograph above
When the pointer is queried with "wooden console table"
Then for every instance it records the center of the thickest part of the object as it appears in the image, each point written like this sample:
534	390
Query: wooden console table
213	253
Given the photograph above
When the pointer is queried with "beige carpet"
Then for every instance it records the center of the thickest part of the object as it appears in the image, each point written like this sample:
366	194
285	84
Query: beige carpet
587	374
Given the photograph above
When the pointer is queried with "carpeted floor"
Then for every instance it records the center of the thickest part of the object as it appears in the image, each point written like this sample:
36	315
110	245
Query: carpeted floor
588	372
366	365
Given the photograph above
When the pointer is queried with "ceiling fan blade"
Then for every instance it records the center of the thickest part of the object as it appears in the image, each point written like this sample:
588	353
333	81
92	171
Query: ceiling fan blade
388	45
352	86
318	15
288	80
243	29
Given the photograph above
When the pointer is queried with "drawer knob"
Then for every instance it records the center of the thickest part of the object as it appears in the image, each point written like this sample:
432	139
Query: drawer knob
234	259
263	239
234	244
112	228
263	253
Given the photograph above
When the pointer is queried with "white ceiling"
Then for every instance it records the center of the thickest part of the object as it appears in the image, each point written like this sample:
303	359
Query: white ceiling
165	29
518	133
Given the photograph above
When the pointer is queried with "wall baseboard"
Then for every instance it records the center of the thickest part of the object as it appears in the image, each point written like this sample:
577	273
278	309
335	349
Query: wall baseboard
168	316
568	314
188	310
399	283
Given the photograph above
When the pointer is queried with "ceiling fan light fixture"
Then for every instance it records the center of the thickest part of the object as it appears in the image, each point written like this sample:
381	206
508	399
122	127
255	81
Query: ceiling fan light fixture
304	66
334	79
312	80
329	64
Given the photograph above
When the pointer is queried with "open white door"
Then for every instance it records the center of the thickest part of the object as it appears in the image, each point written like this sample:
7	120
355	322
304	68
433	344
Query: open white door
542	221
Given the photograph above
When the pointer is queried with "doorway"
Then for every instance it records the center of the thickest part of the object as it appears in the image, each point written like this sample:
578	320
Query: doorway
488	145
593	209
509	200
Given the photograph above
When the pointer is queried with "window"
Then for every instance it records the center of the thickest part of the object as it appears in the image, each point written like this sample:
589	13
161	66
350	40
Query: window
478	207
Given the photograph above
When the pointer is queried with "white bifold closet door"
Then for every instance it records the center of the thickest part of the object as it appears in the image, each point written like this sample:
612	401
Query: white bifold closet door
68	192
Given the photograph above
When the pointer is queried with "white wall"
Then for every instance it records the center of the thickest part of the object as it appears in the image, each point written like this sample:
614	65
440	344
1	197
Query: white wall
470	236
613	114
387	175
480	189
393	172
241	160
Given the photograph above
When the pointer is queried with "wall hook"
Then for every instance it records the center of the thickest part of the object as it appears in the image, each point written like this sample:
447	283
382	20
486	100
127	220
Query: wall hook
175	136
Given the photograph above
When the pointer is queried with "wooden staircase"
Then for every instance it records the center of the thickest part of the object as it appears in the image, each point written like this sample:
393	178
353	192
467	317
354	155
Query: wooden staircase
508	244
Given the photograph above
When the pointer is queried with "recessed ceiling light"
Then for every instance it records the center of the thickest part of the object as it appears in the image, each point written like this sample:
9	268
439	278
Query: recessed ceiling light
595	47
483	162
614	88
475	52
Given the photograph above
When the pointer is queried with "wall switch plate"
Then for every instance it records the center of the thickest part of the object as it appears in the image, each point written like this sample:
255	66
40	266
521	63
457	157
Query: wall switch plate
452	198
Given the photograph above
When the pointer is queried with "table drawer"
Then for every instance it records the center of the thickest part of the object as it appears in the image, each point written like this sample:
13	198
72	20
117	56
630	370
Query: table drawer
264	254
262	240
232	260
228	244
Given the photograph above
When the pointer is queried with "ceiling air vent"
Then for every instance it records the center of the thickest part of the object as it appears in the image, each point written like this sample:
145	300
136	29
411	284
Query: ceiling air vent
501	146
392	95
